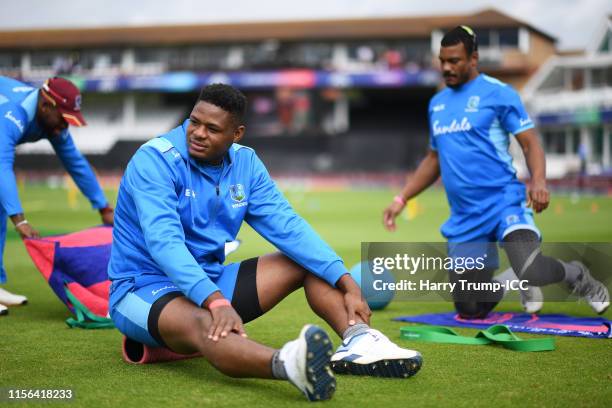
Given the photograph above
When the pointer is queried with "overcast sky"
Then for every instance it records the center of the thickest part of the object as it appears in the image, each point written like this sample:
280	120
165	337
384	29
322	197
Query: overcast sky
572	22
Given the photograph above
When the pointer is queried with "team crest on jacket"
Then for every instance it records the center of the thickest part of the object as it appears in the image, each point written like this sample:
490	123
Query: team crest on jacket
237	192
472	104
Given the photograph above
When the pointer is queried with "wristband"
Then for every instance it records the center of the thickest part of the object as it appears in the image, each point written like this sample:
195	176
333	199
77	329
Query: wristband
399	200
105	210
218	303
20	223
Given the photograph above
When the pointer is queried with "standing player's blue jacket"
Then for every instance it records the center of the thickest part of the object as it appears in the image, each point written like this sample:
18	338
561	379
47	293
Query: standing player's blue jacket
470	128
18	125
174	216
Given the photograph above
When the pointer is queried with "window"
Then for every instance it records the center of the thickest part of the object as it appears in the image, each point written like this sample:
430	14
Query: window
601	77
261	55
155	55
577	79
309	55
598	142
100	59
47	59
508	37
58	62
498	37
10	60
483	36
209	58
367	52
575	135
394	54
414	52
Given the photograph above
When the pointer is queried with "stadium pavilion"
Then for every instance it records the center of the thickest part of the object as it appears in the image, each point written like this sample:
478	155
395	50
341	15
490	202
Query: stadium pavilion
328	95
571	100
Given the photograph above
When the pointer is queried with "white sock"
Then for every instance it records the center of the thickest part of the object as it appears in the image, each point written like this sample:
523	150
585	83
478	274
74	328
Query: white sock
355	329
278	366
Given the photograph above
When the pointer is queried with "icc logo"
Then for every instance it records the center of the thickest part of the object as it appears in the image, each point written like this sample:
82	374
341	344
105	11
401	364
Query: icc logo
237	192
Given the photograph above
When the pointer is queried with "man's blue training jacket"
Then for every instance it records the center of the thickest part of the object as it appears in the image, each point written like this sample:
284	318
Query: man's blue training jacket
18	124
172	218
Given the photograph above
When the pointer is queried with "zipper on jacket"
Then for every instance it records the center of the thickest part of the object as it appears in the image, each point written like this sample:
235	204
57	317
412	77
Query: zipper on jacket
214	217
218	191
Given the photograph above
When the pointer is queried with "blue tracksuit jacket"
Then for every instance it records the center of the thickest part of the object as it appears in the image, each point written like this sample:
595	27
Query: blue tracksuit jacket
173	218
18	125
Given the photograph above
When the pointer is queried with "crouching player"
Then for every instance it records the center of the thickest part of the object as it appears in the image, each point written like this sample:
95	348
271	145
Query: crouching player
182	197
471	121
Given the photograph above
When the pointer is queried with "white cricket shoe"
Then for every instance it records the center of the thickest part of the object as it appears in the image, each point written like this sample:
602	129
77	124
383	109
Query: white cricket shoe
593	291
306	361
3	310
372	353
532	299
10	299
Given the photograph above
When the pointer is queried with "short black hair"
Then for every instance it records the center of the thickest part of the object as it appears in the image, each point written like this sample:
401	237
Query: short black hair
227	98
461	34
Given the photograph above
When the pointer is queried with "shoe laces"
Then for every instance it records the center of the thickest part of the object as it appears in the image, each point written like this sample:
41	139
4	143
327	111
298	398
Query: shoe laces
379	337
587	287
596	293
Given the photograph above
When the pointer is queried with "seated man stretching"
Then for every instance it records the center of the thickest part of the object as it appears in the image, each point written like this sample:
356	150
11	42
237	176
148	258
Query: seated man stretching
182	197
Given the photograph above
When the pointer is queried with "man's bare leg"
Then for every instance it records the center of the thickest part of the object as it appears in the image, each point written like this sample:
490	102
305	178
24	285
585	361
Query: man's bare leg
277	276
184	328
372	353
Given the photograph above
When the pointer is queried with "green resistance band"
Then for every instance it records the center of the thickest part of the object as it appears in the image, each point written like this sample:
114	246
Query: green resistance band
85	319
497	334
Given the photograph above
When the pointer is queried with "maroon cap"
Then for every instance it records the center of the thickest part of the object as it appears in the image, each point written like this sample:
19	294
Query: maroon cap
66	97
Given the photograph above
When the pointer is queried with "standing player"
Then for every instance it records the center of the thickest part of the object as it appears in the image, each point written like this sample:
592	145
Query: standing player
27	115
470	122
182	197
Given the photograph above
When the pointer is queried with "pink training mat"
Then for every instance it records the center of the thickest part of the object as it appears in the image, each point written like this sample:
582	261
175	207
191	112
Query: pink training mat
138	353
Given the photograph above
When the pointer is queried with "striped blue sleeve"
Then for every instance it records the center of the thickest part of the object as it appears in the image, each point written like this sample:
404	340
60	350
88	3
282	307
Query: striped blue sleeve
432	139
12	122
150	181
79	169
272	217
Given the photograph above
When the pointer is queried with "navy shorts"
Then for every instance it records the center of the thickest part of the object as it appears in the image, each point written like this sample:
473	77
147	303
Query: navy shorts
136	314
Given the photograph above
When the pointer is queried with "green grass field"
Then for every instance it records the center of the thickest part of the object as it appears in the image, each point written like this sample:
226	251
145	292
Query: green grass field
38	350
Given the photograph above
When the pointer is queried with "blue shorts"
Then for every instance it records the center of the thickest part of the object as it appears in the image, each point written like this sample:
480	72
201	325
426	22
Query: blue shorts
135	304
493	228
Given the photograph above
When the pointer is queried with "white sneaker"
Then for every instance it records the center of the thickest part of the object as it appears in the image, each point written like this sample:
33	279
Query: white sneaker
372	353
532	299
3	310
593	291
306	361
10	299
